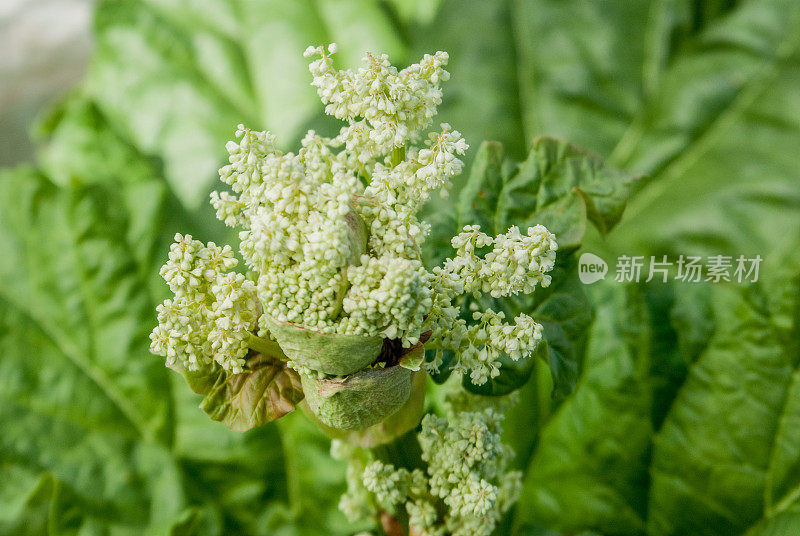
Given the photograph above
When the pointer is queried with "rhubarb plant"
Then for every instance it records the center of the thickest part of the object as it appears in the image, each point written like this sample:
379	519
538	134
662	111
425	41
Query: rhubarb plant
335	307
652	409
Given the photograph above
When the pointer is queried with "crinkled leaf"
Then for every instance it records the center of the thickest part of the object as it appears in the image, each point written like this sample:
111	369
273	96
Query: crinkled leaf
725	460
70	283
562	186
148	80
678	340
265	391
82	398
699	96
84	401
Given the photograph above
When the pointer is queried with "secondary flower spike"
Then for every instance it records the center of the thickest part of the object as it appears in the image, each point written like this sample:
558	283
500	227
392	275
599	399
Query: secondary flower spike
331	239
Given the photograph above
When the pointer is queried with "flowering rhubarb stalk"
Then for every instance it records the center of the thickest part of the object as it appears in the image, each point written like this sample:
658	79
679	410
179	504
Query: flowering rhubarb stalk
335	289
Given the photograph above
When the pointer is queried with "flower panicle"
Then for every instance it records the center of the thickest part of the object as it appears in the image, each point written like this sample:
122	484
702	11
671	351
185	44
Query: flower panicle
332	238
467	472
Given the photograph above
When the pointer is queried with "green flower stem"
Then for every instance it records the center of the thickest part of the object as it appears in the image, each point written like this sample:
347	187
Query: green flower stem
397	155
264	346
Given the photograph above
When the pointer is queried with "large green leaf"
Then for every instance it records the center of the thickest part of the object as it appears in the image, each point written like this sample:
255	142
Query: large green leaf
725	438
82	399
175	78
717	135
590	466
71	280
97	435
787	522
725	460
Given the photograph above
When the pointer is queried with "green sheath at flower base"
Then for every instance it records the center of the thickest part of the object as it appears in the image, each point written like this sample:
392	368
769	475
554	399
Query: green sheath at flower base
360	400
404	419
336	355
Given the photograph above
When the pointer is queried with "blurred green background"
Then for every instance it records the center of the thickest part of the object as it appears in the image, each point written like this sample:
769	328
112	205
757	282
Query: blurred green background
98	437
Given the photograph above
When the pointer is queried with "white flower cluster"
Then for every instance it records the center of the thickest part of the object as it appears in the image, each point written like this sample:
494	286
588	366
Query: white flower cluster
396	193
333	254
356	503
332	234
301	230
213	312
490	338
516	263
385	107
466	471
387	291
